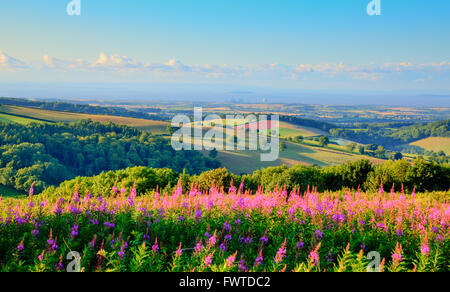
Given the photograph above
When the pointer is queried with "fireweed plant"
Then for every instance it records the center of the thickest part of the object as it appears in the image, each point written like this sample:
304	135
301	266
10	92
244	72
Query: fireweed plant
226	231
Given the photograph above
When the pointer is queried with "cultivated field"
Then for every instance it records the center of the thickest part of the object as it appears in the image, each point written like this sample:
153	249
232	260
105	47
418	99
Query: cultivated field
17	119
435	144
288	130
156	127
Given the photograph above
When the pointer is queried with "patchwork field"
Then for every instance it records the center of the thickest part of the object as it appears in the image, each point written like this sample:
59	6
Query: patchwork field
156	127
294	154
307	153
289	130
435	144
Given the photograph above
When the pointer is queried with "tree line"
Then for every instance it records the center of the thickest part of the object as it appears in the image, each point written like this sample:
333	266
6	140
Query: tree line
419	175
391	136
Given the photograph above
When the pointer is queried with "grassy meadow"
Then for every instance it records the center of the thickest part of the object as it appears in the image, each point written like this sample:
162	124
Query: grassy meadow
288	130
435	144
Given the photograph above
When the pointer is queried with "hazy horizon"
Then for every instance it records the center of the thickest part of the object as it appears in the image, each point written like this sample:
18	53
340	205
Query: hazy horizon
210	93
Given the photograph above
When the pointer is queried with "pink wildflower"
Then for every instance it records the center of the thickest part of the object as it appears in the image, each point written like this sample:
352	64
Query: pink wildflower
314	255
281	254
155	246
208	259
179	252
231	259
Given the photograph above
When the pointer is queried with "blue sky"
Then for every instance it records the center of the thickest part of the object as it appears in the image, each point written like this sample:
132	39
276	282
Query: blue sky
256	45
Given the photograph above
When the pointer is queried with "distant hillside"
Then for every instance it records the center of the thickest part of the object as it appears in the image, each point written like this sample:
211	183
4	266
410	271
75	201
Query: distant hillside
324	126
25	115
80	108
294	154
391	135
51	153
237	161
299	135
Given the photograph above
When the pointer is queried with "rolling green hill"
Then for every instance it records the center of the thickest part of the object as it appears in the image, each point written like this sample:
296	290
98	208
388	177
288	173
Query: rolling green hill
237	161
294	154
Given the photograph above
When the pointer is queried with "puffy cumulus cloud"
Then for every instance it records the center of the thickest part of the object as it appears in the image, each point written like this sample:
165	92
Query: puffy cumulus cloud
55	63
8	62
177	66
104	62
116	62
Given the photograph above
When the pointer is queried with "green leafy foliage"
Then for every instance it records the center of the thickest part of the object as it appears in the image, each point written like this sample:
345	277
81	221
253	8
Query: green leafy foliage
48	154
421	176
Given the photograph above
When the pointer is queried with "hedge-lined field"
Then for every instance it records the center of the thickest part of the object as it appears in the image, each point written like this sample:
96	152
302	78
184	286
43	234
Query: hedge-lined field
231	231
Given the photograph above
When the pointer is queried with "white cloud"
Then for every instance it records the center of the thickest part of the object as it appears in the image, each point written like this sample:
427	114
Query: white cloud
116	62
124	64
55	63
302	68
8	62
